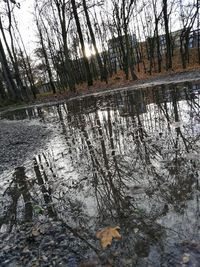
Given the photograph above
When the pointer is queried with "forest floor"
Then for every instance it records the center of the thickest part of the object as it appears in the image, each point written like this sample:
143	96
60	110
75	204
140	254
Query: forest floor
118	82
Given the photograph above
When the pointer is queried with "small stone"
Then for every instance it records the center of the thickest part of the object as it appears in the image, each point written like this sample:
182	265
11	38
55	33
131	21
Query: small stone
44	258
35	232
26	250
6	247
61	238
50	243
186	258
136	230
3	228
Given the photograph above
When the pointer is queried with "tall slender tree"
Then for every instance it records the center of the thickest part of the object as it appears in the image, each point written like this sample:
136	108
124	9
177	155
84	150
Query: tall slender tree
103	70
80	34
61	6
167	35
44	53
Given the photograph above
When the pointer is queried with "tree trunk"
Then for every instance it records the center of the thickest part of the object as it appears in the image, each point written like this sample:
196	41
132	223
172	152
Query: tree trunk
198	35
159	59
131	61
85	59
2	91
103	70
182	53
66	60
13	57
167	37
12	89
46	60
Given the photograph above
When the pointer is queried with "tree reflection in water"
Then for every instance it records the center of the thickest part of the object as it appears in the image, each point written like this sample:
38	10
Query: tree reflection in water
18	188
128	159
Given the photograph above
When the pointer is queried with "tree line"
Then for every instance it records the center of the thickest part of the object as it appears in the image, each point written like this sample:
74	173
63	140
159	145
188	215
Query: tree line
131	35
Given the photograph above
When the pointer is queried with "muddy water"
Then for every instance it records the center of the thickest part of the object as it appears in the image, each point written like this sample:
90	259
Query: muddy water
129	158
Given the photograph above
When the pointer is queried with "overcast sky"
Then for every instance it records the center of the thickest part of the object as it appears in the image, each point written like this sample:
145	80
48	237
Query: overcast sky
25	23
27	26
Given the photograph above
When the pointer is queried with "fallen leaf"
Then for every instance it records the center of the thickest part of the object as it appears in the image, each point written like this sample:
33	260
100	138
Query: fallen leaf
107	234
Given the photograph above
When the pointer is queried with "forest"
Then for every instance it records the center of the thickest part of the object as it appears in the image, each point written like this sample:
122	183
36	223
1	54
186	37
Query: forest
84	42
99	133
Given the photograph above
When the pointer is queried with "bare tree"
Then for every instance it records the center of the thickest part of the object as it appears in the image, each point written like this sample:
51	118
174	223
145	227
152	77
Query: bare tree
167	35
79	30
61	6
102	68
44	52
122	14
188	15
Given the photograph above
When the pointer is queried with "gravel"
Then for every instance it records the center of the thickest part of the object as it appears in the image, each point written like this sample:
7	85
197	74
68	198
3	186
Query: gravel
53	245
19	140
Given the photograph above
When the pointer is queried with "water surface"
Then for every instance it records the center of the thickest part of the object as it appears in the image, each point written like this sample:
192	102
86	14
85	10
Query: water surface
129	158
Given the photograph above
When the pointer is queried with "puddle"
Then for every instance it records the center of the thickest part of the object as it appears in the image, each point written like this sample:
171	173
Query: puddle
129	158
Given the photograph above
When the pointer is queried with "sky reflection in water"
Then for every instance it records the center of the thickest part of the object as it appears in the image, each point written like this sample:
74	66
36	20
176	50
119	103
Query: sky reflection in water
129	158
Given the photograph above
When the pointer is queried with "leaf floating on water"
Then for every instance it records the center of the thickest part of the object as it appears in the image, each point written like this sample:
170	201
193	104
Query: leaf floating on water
107	234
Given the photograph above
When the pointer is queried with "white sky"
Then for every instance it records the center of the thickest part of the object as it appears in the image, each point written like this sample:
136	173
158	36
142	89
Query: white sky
26	25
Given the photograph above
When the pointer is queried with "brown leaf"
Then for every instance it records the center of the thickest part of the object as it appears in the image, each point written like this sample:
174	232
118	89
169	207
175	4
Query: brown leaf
107	234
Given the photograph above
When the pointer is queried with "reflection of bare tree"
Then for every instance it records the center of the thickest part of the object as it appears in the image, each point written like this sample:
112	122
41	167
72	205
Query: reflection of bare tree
112	179
21	188
18	187
103	140
42	181
180	172
132	158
